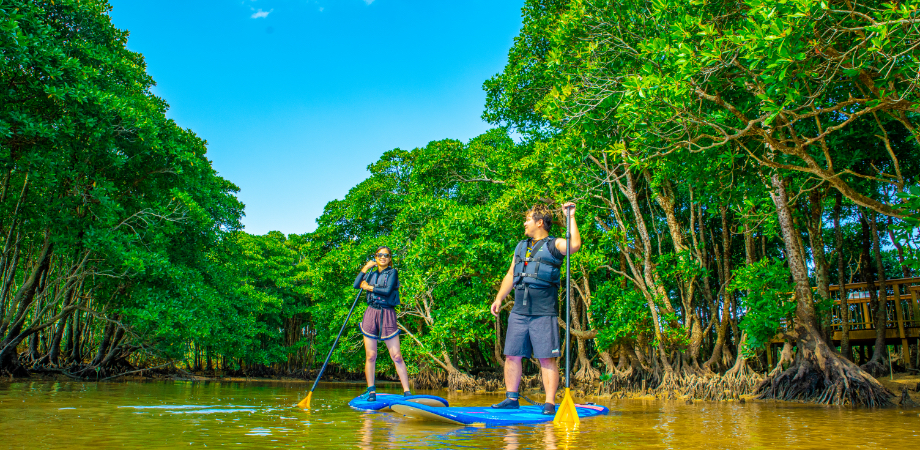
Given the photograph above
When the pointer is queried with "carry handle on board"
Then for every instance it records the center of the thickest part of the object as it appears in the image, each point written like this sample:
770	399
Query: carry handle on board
305	403
567	414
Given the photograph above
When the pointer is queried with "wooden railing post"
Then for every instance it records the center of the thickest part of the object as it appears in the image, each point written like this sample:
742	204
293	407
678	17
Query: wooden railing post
908	321
899	311
770	356
915	305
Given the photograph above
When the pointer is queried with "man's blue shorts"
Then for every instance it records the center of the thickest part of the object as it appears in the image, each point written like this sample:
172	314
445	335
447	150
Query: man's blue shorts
537	335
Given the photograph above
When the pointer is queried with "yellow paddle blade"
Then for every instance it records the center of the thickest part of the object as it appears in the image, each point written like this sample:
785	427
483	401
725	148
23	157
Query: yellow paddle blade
566	413
305	403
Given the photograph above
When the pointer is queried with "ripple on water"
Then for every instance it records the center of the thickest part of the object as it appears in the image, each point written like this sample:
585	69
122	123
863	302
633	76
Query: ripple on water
170	415
197	409
186	406
212	411
259	432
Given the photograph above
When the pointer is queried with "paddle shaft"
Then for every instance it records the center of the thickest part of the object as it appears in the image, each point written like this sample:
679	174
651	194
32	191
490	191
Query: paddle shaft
323	369
568	295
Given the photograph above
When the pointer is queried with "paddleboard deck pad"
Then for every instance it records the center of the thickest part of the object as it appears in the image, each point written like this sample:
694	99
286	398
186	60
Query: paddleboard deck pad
384	401
469	415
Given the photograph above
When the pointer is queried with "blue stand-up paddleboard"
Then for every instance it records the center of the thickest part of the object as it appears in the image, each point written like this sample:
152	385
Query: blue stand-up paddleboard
469	415
384	401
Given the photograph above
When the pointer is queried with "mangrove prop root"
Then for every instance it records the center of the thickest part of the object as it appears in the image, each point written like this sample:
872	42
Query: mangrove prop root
876	368
815	374
905	400
820	375
460	381
429	378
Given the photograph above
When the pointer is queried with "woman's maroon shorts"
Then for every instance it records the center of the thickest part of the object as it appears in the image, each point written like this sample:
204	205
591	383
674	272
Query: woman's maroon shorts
379	323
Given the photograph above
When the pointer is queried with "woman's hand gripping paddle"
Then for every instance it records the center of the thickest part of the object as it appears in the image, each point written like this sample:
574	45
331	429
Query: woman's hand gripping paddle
305	403
566	414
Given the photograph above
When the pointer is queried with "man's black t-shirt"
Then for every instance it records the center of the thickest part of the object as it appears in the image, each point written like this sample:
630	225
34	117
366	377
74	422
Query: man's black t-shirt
540	302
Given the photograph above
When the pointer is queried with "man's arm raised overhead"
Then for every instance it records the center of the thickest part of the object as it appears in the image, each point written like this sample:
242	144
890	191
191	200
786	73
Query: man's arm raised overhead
569	209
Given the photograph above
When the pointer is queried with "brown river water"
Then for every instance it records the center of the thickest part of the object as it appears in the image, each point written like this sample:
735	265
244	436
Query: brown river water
160	415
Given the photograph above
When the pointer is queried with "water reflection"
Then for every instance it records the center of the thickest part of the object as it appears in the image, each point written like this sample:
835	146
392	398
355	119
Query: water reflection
254	415
511	439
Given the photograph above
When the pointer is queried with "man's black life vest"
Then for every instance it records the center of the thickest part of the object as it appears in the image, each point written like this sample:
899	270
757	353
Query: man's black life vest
541	270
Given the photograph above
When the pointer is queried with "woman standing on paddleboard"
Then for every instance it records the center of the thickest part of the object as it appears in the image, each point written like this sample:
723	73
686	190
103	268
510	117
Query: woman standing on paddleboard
379	323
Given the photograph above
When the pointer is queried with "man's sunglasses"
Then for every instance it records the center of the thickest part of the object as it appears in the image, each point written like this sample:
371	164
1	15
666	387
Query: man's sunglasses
382	255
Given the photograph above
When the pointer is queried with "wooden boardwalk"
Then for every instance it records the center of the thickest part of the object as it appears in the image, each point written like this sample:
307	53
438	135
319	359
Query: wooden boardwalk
903	315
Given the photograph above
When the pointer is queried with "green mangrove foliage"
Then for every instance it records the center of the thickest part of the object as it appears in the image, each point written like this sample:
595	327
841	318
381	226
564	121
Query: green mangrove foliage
767	303
704	123
113	221
731	163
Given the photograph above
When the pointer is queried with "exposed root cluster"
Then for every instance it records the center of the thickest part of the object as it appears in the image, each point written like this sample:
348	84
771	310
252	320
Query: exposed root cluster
674	385
720	387
461	381
814	373
905	400
820	375
527	382
429	378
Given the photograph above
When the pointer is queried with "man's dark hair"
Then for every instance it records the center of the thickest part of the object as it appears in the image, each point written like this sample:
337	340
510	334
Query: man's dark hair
541	212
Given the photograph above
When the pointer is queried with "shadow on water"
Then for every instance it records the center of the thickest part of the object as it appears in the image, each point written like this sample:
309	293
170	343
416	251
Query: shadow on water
262	415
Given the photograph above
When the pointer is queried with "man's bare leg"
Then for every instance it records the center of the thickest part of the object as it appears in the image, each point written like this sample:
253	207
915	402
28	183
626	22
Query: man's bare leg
512	373
550	374
512	383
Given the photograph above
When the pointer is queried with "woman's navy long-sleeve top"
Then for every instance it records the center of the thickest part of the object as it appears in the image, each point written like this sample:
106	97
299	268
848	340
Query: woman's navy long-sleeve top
386	287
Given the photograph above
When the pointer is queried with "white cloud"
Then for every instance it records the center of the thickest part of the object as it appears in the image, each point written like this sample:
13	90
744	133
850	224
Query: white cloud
321	9
262	14
368	1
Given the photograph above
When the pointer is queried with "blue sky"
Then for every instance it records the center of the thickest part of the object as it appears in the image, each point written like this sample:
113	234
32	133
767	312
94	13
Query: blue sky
297	97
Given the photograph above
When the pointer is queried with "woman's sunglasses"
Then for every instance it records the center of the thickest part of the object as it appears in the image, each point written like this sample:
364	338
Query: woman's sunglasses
382	255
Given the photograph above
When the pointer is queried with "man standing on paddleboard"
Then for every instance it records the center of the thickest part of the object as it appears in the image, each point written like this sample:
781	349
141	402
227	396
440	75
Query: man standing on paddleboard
533	326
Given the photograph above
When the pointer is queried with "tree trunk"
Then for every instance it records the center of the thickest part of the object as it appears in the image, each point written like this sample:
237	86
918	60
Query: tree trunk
54	351
841	281
104	345
8	277
585	372
905	269
113	349
818	373
696	340
816	240
877	364
497	353
34	354
650	271
639	352
607	358
665	198
76	333
24	297
718	352
873	365
623	358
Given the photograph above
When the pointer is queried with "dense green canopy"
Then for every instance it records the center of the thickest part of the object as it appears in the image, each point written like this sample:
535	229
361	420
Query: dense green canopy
731	161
